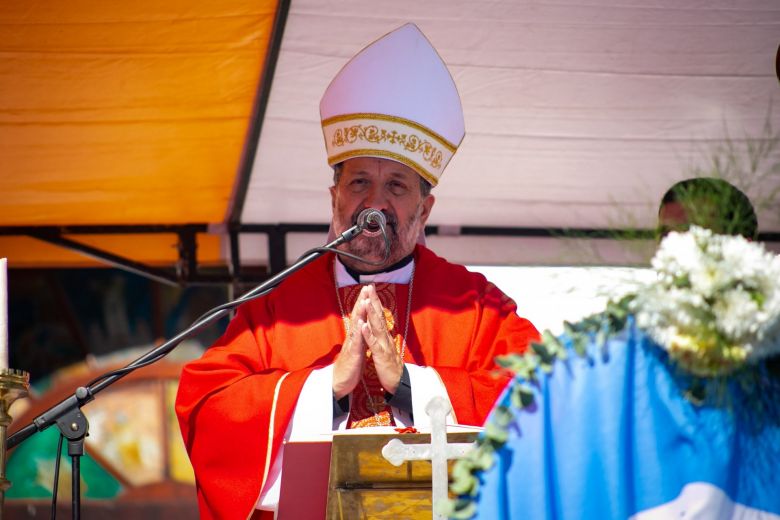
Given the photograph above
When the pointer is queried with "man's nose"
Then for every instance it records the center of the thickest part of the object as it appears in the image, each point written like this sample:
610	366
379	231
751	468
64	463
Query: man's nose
376	198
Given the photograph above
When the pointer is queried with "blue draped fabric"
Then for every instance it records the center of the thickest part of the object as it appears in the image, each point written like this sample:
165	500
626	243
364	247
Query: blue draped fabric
613	435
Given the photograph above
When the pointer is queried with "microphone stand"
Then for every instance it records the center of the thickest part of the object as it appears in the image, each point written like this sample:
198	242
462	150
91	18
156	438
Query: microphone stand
67	414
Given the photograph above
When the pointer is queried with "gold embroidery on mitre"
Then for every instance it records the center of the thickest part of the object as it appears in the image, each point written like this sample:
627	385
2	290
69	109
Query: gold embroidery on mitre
394	119
392	137
373	134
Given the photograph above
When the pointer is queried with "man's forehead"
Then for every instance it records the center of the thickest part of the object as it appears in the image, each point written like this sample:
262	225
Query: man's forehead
368	165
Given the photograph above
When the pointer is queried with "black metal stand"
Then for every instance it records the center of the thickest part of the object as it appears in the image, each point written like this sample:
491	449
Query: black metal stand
74	426
67	413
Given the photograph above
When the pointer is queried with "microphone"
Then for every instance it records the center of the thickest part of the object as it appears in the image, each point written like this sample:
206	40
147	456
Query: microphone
371	219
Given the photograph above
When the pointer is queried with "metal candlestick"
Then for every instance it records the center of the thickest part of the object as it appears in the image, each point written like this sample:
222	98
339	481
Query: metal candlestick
13	385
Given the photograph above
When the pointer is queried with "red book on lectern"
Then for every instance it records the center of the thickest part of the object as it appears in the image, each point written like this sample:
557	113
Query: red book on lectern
304	488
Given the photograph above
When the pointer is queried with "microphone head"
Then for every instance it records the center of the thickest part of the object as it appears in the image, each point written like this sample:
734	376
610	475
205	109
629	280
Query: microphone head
371	220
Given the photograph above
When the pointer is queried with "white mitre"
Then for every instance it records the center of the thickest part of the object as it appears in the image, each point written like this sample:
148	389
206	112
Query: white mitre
396	100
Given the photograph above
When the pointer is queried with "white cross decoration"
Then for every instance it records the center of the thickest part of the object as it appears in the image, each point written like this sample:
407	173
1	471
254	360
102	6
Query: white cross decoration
438	451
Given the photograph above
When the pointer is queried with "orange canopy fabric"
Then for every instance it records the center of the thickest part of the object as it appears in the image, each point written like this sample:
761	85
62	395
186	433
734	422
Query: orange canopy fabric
124	113
159	250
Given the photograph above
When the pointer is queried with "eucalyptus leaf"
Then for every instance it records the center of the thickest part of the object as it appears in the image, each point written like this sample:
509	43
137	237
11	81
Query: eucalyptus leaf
485	458
502	416
526	396
521	397
579	343
461	470
541	349
463	485
496	433
468	510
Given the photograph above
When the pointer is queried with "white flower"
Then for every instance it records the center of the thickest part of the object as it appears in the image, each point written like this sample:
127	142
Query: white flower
734	313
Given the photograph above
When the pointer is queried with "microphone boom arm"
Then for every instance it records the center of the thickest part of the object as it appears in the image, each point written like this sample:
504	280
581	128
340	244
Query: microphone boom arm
84	395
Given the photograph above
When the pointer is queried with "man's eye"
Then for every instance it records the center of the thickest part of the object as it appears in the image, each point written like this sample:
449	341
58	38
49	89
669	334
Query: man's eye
398	188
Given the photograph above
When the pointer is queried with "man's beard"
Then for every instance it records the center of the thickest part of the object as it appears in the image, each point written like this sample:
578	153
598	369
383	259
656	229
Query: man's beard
401	237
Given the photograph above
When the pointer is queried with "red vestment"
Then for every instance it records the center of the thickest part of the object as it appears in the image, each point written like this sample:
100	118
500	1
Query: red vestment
235	402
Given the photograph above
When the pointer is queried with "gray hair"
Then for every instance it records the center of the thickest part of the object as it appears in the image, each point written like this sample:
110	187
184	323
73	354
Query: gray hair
425	186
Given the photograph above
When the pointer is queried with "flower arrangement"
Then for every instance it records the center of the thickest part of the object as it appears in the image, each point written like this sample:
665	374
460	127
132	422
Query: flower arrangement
714	307
716	303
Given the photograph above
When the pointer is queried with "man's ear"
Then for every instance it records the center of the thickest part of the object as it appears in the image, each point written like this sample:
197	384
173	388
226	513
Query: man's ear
427	206
332	190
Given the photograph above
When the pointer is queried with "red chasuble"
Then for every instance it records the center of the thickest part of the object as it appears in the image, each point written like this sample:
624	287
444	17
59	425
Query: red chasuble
235	402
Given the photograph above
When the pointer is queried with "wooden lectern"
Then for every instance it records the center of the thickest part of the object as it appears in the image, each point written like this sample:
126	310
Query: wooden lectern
353	477
350	479
362	484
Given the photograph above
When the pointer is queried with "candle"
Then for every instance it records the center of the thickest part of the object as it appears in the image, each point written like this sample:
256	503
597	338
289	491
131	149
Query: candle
3	313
